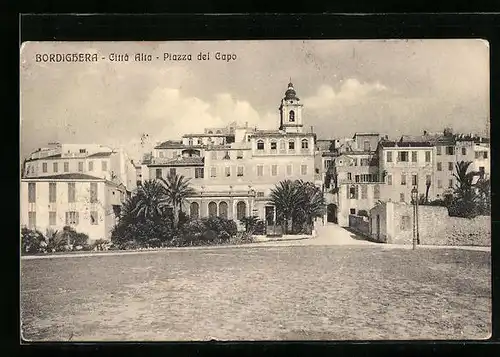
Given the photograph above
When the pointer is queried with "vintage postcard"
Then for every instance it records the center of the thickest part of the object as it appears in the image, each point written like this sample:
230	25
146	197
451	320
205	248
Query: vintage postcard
255	190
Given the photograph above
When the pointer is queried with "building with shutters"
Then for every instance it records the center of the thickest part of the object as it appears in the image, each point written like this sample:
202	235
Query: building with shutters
234	168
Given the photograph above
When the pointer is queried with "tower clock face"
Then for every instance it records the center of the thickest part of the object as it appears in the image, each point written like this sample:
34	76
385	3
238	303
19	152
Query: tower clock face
291	115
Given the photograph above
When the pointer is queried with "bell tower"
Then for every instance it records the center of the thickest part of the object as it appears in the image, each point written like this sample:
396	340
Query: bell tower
291	112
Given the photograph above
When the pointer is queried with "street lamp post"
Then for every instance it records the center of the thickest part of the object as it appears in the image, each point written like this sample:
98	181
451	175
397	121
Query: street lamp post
414	199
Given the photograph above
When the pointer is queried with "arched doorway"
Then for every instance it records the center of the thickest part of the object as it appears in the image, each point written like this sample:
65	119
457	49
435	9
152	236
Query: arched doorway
194	210
212	209
223	210
241	209
331	213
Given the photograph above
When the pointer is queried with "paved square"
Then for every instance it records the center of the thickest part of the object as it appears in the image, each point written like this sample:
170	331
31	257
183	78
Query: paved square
260	293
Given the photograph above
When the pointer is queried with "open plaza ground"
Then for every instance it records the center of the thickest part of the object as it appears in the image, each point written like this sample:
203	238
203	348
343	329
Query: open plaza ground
302	290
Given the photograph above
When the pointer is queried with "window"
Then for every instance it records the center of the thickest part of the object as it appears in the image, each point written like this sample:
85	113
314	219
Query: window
356	178
52	218
366	145
190	142
427	156
376	192
364	162
355	162
161	153
172	171
303	169
364	192
198	141
274	145
274	170
93	192
413	156
66	167
438	150
80	166
227	171
440	184
194	210
485	154
403	156
240	171
405	223
401	197
450	183
91	165
352	211
71	192
210	132
239	154
198	172
52	192
32	220
260	170
31	192
305	143
241	209
226	156
55	167
353	192
93	218
450	166
72	218
213	171
389	179
213	155
403	179
291	145
212	209
83	151
414	180
223	210
158	173
464	151
289	170
260	194
389	156
260	145
481	171
291	116
44	167
450	150
439	166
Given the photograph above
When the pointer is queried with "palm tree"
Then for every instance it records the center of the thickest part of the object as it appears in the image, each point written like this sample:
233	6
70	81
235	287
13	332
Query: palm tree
483	186
177	189
312	201
465	195
286	198
128	209
150	200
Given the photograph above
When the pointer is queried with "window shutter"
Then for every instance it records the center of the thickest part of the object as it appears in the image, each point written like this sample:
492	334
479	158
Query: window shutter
348	191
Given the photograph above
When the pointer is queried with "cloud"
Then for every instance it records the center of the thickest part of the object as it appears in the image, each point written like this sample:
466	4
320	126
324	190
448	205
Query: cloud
351	91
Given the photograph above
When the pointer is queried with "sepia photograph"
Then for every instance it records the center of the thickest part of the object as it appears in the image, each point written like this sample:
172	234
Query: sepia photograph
264	190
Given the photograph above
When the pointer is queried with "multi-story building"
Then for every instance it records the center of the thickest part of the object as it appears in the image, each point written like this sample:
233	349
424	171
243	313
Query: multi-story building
405	165
233	169
77	185
90	159
87	203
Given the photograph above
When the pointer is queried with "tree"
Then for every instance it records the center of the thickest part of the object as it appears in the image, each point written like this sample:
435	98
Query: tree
312	202
286	198
464	203
483	187
150	201
427	187
177	189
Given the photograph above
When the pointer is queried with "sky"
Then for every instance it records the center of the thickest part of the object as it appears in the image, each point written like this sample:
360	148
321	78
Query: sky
393	87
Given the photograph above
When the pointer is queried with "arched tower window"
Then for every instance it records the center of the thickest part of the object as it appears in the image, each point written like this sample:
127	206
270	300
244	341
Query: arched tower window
223	210
305	143
260	145
212	209
291	145
194	210
291	116
241	209
219	132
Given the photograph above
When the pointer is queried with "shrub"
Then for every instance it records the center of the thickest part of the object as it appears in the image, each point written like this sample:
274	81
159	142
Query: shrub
254	225
220	225
32	241
363	213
